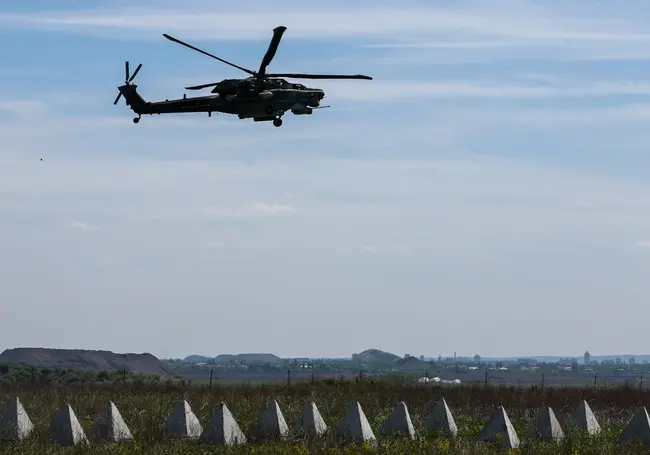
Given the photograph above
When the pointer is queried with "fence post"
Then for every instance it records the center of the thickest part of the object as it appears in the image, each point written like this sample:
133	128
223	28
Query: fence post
210	380
288	378
595	380
485	381
542	381
641	382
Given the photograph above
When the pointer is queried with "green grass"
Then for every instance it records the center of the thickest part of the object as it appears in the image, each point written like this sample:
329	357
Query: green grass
146	407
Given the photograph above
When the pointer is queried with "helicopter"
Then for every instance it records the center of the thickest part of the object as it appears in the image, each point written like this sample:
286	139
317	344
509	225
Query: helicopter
262	96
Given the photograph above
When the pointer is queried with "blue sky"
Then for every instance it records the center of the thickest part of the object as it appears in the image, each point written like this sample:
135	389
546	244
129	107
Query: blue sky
486	193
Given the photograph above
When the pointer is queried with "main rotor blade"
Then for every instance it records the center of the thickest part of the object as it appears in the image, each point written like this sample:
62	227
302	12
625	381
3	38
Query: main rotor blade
119	95
135	72
321	76
273	47
199	87
171	38
126	68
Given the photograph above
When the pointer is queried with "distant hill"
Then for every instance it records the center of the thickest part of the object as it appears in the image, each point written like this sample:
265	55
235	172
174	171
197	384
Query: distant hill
375	355
248	358
411	363
80	359
196	358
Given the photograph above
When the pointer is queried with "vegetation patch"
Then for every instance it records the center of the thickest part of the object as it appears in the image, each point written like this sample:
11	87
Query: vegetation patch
145	407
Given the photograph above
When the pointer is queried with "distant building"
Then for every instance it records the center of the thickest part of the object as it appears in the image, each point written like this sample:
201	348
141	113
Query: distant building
421	358
477	358
632	361
587	358
527	362
574	366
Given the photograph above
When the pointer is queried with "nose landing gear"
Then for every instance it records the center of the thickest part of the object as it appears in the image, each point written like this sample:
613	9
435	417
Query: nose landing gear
277	122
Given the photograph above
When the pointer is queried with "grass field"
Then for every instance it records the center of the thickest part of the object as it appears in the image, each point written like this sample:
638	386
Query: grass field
146	408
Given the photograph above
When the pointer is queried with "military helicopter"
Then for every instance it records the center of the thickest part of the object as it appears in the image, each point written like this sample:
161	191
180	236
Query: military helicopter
262	96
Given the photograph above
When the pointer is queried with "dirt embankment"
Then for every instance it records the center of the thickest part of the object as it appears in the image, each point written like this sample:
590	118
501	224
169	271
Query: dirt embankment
80	359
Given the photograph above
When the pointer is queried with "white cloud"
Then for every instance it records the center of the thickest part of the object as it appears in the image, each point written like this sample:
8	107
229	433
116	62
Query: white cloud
643	243
345	198
82	226
407	90
497	224
216	24
519	22
254	210
22	108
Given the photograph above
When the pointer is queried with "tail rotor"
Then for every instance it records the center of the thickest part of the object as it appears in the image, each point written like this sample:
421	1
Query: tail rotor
127	78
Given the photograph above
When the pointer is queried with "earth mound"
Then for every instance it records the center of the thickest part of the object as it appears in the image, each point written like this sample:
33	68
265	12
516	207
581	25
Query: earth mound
79	359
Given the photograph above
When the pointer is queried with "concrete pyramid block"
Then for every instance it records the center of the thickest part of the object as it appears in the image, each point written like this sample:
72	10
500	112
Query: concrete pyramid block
441	420
110	426
223	428
398	423
499	427
354	426
638	428
583	418
183	423
271	426
66	429
547	427
309	423
15	423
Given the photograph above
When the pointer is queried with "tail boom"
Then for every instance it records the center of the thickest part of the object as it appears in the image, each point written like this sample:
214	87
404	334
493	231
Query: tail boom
134	100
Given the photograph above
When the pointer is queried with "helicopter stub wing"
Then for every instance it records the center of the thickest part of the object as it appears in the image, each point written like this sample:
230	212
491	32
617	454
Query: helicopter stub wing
202	86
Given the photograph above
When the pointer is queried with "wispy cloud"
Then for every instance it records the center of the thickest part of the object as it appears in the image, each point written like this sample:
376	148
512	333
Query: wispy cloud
405	89
520	21
643	243
517	86
23	108
254	210
425	171
82	226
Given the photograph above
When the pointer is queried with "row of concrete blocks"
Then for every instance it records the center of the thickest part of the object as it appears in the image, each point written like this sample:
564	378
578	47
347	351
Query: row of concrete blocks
15	424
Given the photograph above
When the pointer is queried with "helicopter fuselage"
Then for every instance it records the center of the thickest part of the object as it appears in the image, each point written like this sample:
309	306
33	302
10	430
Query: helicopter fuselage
267	105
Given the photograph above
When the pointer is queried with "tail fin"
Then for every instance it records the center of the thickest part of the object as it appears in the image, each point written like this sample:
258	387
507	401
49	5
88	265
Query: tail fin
133	98
130	93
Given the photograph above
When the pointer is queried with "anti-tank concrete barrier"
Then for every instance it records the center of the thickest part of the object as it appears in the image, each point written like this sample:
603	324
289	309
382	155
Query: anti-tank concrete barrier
354	427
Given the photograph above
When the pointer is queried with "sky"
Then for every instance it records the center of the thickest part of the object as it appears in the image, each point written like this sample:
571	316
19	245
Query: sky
487	193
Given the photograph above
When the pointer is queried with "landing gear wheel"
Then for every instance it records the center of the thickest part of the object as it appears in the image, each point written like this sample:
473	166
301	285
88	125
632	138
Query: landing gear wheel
277	122
136	120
